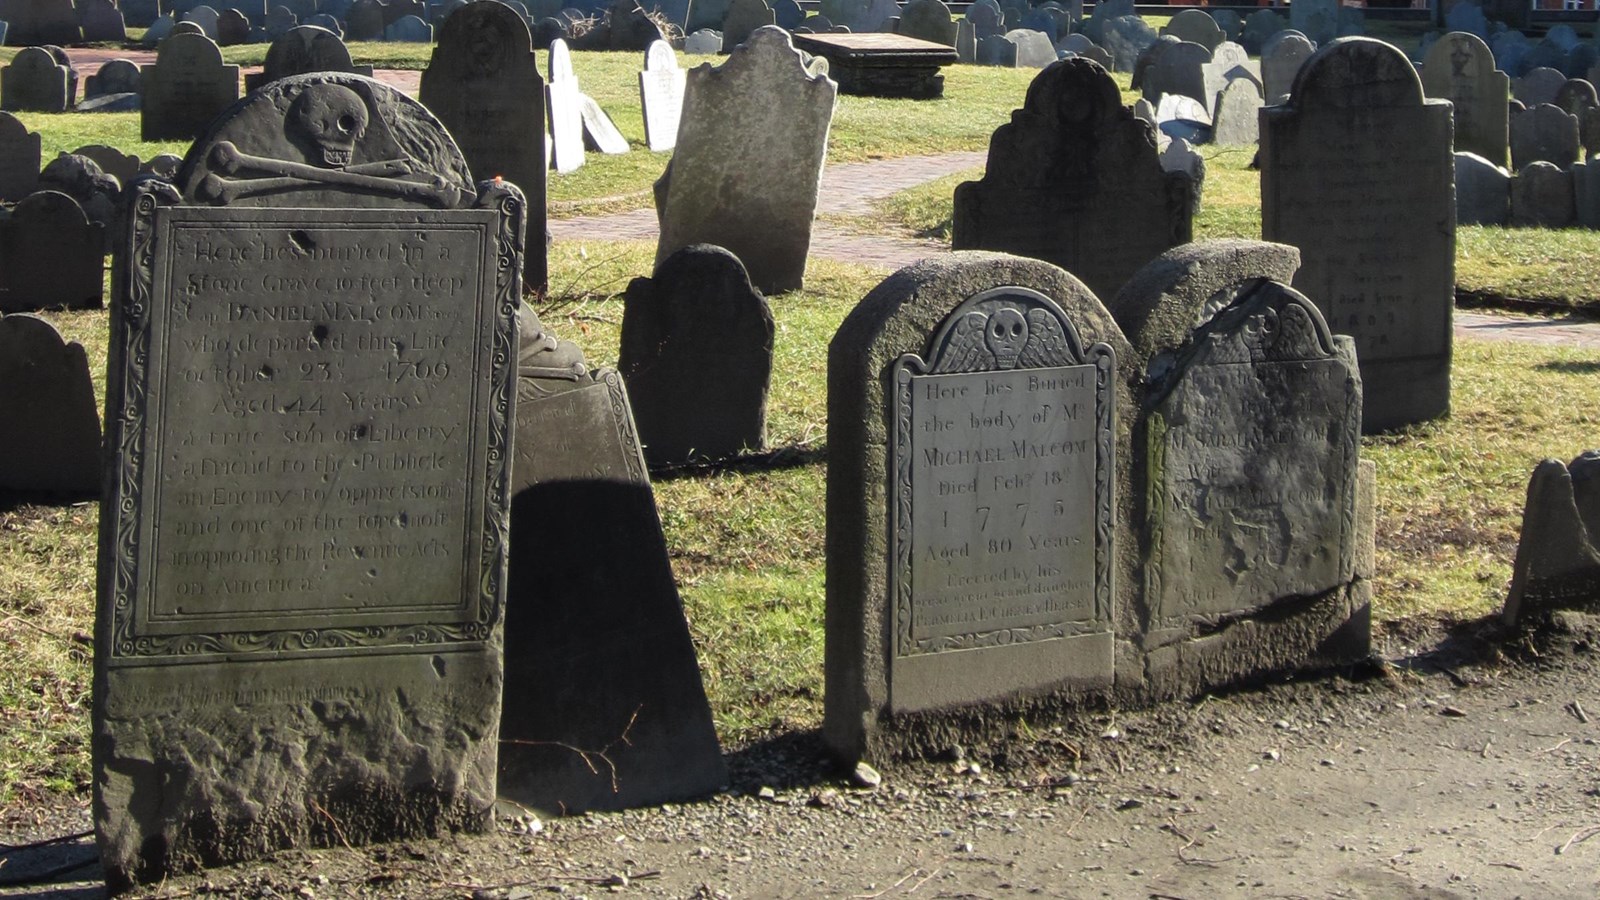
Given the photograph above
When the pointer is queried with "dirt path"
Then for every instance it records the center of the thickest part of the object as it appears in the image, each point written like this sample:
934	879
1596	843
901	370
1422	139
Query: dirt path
1433	779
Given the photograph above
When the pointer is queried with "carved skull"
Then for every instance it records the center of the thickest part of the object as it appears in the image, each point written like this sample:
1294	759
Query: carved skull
333	117
1005	334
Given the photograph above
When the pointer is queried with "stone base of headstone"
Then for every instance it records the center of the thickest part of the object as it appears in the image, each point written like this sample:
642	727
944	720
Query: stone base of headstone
1558	559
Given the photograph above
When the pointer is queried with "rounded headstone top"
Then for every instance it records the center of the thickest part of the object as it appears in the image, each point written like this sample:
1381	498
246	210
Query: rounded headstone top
303	46
1076	92
192	49
1455	50
11	127
1356	72
491	34
33	58
327	139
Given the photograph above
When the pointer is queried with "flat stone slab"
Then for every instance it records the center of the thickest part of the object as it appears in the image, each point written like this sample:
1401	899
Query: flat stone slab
881	65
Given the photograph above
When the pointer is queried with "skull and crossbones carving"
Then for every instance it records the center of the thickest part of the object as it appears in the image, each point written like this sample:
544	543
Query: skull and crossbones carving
333	118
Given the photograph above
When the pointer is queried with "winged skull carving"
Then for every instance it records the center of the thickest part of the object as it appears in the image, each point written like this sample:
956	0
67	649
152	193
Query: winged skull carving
1003	340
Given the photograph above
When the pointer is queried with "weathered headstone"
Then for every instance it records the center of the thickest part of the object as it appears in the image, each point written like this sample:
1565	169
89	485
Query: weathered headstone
1179	156
1176	69
966	42
1544	133
19	158
1195	26
305	49
565	102
1460	68
1538	86
973	446
34	82
1542	196
1316	19
1074	179
315	627
590	588
186	88
365	21
1034	49
1483	191
205	18
1557	565
1125	38
280	21
599	132
1262	24
995	50
409	29
928	20
1357	172
661	96
47	411
139	13
124	167
1281	63
1228	63
159	30
101	21
478	83
233	27
50	255
788	14
697	358
759	202
40	22
707	14
703	42
117	76
1236	122
1578	98
745	16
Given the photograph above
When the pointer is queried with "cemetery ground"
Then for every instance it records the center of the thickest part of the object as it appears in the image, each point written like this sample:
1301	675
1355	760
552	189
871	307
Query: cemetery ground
1454	767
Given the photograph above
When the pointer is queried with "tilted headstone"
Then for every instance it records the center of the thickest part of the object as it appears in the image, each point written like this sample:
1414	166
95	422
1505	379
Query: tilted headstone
565	101
697	358
1316	19
159	30
1544	133
703	42
34	82
1181	109
772	105
1281	63
313	361
1542	196
593	617
305	49
928	20
1557	565
1460	68
101	21
1538	86
966	42
50	255
661	96
117	76
1483	191
1228	63
745	16
47	411
1357	172
1073	179
599	132
1195	26
478	83
1236	122
19	158
972	545
1176	69
188	86
1246	461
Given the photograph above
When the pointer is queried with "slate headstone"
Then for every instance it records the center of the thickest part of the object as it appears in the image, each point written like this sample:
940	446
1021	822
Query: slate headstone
1195	26
409	29
117	76
1357	172
707	14
316	627
101	21
1034	49
788	14
775	107
204	18
188	86
19	158
1557	565
158	31
1542	196
1578	98
972	548
40	22
50	255
302	50
995	50
1074	179
1544	133
592	613
1467	18
661	96
477	83
745	16
1316	19
878	13
1281	63
233	27
124	167
1483	191
1236	122
280	21
47	411
1586	194
365	21
34	82
1538	86
1460	68
1125	38
1177	70
1181	157
1261	24
599	132
139	13
697	358
565	101
703	42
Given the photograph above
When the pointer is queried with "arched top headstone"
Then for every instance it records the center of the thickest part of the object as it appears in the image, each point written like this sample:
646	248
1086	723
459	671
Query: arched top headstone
1459	55
560	61
327	139
189	51
659	56
304	49
482	38
1355	72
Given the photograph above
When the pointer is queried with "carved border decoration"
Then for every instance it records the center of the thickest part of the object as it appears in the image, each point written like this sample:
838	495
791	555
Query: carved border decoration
960	346
127	424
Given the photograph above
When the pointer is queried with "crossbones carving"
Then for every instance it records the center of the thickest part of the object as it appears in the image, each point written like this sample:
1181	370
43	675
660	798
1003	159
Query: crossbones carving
279	174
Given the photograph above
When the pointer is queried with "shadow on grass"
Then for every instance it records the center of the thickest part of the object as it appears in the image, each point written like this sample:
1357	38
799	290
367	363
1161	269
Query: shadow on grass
794	456
11	501
1570	367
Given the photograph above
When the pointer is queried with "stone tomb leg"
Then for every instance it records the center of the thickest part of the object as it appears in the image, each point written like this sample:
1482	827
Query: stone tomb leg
304	539
971	521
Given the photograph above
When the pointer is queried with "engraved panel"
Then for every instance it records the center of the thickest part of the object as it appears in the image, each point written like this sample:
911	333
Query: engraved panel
1001	498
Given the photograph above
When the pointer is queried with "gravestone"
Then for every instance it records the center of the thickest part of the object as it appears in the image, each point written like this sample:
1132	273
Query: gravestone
139	13
928	20
1460	68
315	628
995	50
775	107
1237	119
1184	111
233	27
966	42
1232	26
884	65
973	450
162	164
82	179
1148	57
1095	26
1281	63
186	88
117	76
565	102
1256	517
697	358
1542	197
410	29
1074	179
305	49
47	411
159	30
1228	63
703	42
280	21
707	14
593	617
1180	156
50	255
1045	20
1034	50
1483	191
1195	26
1316	19
327	23
40	22
1578	98
19	158
599	132
1557	565
365	21
1261	25
1177	70
124	167
34	82
661	96
1538	86
1125	38
101	21
204	18
1357	172
1586	194
1544	133
788	14
745	16
477	83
